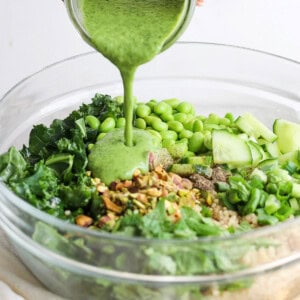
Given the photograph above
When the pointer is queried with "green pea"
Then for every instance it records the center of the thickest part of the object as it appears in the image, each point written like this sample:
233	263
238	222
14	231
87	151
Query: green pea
173	102
143	110
108	124
101	136
180	117
184	107
162	107
198	126
175	125
196	142
90	146
92	121
167	117
120	123
169	135
185	134
159	125
140	123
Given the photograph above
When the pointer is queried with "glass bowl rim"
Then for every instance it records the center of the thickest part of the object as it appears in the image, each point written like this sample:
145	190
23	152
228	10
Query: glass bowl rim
63	225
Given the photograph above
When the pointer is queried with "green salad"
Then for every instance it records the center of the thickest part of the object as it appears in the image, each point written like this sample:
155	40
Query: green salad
207	167
208	176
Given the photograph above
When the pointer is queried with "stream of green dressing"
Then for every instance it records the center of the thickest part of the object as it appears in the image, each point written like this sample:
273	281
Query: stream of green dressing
129	33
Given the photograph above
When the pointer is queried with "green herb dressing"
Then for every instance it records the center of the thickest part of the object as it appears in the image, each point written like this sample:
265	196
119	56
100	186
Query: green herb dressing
129	33
121	160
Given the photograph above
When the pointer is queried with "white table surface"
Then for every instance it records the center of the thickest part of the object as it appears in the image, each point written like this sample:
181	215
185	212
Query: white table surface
35	33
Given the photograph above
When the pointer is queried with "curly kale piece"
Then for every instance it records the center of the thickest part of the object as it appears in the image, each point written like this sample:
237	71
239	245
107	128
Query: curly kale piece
102	106
44	141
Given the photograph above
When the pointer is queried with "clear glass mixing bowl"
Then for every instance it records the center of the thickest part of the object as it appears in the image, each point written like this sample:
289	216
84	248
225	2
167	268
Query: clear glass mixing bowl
83	264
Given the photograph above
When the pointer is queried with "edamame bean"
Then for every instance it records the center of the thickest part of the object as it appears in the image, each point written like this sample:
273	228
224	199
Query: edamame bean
119	99
140	123
167	117
90	146
180	117
184	107
225	121
101	136
185	134
230	117
212	119
197	126
108	124
207	141
201	118
121	122
210	127
154	133
196	142
92	121
173	102
189	154
167	143
178	149
151	103
175	125
150	119
189	125
162	107
169	135
143	110
159	125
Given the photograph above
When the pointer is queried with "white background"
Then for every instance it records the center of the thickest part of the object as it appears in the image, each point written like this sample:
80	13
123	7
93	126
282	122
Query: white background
35	33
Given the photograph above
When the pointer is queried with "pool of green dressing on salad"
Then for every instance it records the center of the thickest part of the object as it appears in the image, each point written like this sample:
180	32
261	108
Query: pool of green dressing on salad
129	33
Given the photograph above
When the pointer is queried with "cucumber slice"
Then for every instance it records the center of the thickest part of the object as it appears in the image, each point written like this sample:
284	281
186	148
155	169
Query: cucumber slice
268	164
228	148
288	134
293	156
257	152
272	149
253	127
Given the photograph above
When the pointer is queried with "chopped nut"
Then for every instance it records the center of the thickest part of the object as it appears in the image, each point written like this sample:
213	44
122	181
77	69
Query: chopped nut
83	221
112	206
101	188
154	192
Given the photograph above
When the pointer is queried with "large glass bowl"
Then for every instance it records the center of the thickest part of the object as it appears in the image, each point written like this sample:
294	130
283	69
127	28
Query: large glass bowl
83	264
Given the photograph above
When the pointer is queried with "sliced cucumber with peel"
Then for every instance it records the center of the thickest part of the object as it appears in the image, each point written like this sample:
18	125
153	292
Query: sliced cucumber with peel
288	134
272	149
257	152
253	127
229	148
